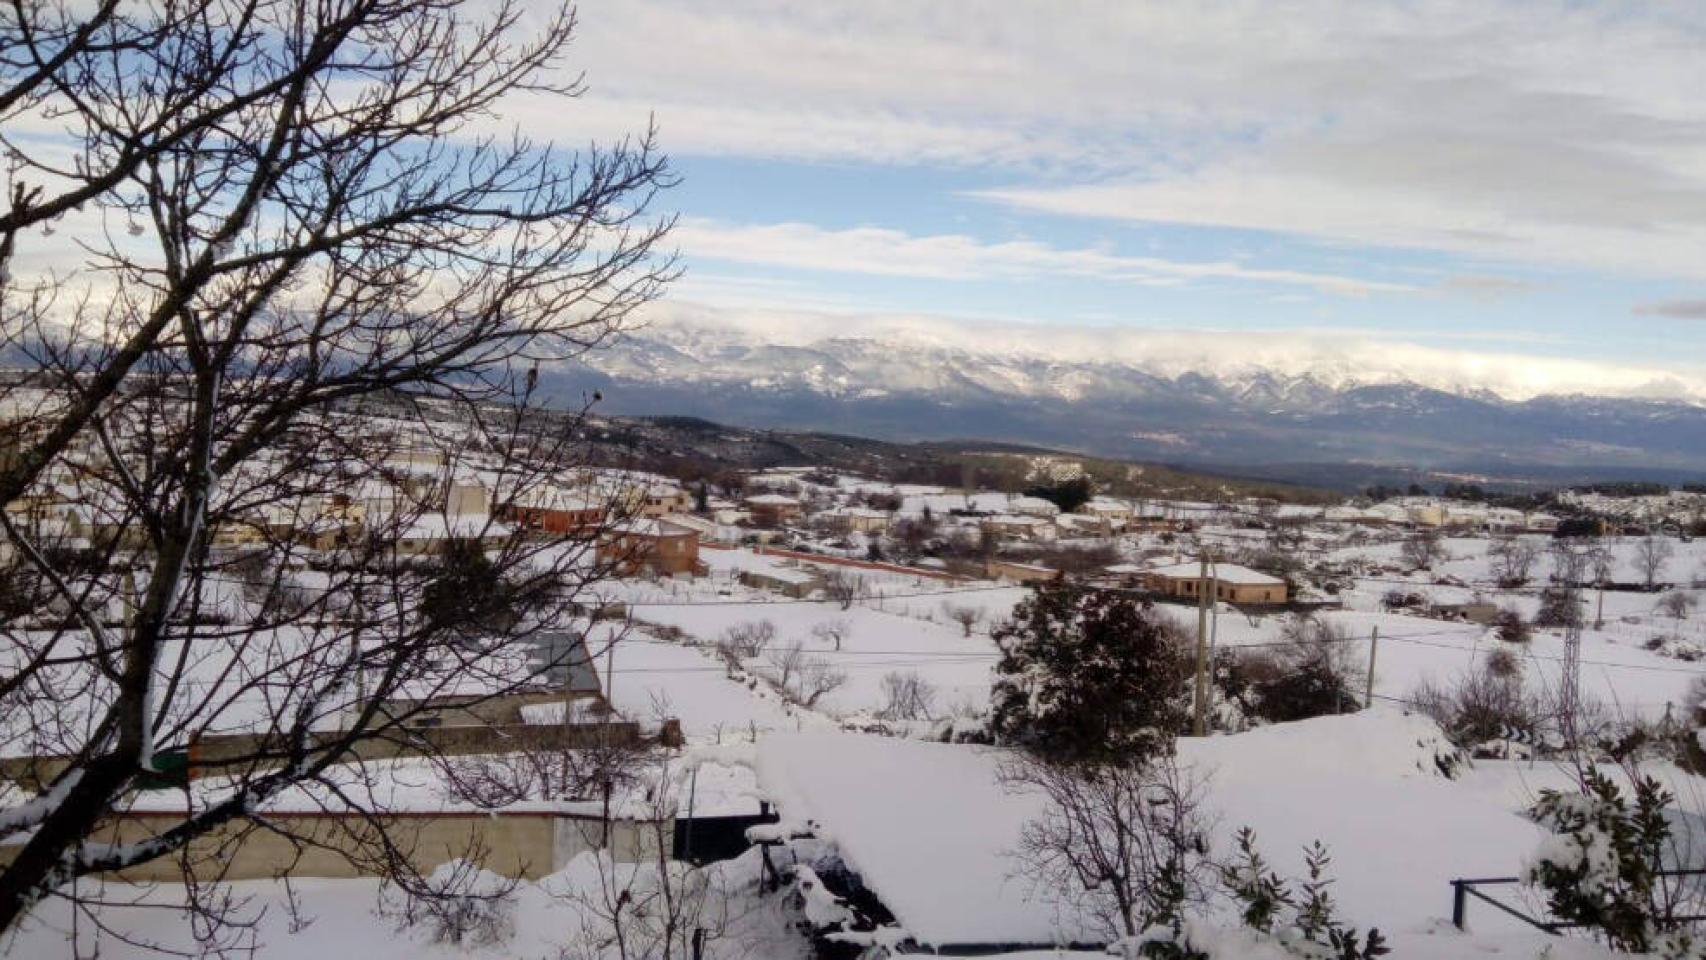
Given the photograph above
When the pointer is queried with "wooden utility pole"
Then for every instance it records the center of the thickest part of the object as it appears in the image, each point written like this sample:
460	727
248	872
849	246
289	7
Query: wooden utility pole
1373	646
1199	725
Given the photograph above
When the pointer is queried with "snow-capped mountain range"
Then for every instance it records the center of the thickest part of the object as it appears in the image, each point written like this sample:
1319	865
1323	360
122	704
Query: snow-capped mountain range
1145	396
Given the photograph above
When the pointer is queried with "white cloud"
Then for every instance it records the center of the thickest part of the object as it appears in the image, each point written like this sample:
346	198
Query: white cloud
1542	132
886	252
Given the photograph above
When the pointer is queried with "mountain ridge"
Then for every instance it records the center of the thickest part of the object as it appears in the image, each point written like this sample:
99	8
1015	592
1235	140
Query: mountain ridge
897	388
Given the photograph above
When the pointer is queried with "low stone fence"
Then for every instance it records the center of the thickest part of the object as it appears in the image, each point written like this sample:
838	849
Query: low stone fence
833	561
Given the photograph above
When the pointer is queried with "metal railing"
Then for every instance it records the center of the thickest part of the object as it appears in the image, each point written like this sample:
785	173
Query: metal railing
1463	888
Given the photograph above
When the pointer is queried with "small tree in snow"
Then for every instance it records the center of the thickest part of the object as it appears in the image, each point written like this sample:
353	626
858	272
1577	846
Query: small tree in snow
1512	559
1652	552
844	588
801	678
1087	676
966	617
1126	845
1423	550
1603	868
830	632
907	696
743	641
1676	604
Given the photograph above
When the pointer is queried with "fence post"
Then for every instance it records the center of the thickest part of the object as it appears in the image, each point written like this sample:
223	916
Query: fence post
1373	646
1459	903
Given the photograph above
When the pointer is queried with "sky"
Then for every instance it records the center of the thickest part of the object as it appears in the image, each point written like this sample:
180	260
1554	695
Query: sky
1522	186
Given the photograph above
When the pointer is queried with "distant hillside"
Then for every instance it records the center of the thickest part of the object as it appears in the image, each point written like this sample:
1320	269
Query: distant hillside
690	446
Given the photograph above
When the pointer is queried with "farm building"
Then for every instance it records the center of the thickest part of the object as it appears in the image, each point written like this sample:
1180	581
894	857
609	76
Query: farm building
1232	583
650	546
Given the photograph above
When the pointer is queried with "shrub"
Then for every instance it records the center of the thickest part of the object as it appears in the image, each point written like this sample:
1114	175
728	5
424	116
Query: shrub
1503	664
1559	607
1486	708
1317	673
1396	599
1087	676
1297	917
1509	626
1603	867
465	905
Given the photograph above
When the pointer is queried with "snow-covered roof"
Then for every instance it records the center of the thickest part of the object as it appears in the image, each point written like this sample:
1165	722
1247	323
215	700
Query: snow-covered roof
781	574
866	513
1224	572
651	528
773	500
1009	519
927	826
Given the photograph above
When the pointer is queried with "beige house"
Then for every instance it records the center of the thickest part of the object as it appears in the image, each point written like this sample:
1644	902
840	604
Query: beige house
661	500
773	509
1232	583
860	520
1009	526
1116	512
1021	572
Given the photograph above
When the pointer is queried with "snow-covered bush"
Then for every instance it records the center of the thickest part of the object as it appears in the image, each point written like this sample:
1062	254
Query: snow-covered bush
1317	672
1509	626
1487	712
1603	866
1279	917
1559	607
1395	600
1121	845
460	903
1088	676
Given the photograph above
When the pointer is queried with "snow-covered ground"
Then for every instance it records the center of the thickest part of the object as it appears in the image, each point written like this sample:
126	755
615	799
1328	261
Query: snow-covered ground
930	828
934	831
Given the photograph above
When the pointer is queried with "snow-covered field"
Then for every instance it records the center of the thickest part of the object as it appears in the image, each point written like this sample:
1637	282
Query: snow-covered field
928	824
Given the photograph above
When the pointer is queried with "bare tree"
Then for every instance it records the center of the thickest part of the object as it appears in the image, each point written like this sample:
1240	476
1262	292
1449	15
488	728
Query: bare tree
844	588
1600	562
656	908
299	257
802	678
907	696
1676	604
743	641
1571	561
830	632
1423	550
1512	560
1652	552
1125	844
966	617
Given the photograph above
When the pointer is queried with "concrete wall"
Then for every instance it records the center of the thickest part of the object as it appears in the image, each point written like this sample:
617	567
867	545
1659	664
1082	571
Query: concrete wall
208	752
519	845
